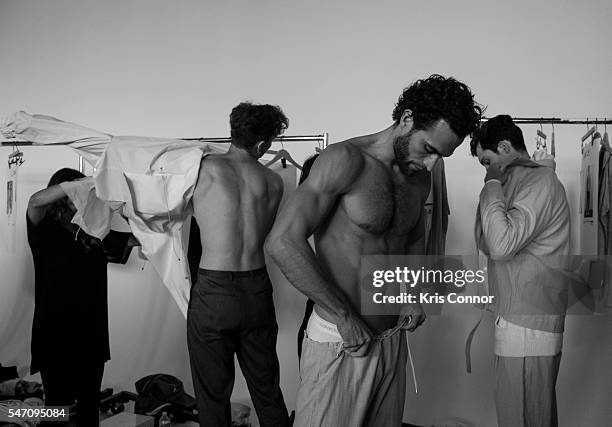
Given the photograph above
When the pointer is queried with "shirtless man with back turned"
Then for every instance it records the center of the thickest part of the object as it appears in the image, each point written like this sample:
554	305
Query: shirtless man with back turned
231	310
364	196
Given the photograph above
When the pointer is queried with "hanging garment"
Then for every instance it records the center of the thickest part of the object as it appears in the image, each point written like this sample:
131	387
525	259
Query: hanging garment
596	220
604	238
150	181
428	214
589	178
437	212
12	181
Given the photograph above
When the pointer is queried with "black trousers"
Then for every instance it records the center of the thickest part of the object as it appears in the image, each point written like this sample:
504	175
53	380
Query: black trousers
309	308
233	313
64	383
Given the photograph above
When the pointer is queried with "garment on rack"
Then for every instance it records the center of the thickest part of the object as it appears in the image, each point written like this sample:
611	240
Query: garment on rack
589	178
150	181
604	240
596	219
437	212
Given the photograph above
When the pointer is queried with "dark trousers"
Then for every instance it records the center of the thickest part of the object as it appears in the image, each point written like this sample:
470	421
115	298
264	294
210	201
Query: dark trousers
64	383
233	313
309	307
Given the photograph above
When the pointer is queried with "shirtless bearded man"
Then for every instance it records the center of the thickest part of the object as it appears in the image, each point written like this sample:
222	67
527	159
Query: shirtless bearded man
365	196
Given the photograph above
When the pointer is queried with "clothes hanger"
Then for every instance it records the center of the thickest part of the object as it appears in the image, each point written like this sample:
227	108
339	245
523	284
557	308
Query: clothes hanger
16	157
589	131
541	141
281	155
552	140
276	153
283	159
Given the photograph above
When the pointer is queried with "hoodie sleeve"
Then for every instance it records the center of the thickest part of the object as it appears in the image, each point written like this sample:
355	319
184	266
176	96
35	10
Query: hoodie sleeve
508	228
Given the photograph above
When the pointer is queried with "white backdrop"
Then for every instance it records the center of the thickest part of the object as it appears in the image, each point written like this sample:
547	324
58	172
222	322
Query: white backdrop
175	69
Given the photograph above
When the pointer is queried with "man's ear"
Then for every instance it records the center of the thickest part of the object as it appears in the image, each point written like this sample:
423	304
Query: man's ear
504	147
406	119
260	148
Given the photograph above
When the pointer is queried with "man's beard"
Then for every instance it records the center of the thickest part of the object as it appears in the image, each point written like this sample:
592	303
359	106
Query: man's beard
401	149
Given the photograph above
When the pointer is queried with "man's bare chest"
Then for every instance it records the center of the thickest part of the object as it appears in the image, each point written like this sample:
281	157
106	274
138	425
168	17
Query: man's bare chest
387	205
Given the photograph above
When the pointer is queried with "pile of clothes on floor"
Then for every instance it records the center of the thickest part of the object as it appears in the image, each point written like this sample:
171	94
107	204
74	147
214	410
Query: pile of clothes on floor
17	393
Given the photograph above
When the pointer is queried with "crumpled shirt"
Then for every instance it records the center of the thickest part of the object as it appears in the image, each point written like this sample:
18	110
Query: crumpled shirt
149	181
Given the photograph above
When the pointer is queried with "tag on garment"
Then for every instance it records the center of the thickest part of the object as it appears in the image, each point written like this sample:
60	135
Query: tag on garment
11	204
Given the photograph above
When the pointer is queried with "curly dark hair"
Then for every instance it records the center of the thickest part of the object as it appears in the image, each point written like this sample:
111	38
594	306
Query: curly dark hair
495	130
251	123
438	97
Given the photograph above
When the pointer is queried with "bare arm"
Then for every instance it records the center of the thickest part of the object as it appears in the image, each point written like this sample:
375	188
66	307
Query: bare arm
332	176
39	201
303	212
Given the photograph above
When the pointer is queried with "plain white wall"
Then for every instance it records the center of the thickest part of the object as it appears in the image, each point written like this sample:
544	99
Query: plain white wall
175	69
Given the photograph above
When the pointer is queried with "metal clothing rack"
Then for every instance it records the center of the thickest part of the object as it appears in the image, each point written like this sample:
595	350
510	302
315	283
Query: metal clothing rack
324	138
541	140
321	138
558	120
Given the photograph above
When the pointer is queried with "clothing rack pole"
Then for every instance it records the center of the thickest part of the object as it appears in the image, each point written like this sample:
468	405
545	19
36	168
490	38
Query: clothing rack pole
558	121
320	138
323	138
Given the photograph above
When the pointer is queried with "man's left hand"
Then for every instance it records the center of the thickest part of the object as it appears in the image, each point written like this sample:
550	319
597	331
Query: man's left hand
411	316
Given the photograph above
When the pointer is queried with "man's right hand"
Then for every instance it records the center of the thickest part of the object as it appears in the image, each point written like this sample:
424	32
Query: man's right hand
355	334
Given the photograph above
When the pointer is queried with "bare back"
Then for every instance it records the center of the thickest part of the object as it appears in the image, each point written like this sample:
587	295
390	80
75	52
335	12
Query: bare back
235	203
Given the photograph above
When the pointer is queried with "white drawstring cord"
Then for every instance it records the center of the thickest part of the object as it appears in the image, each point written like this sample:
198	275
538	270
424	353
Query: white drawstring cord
416	390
